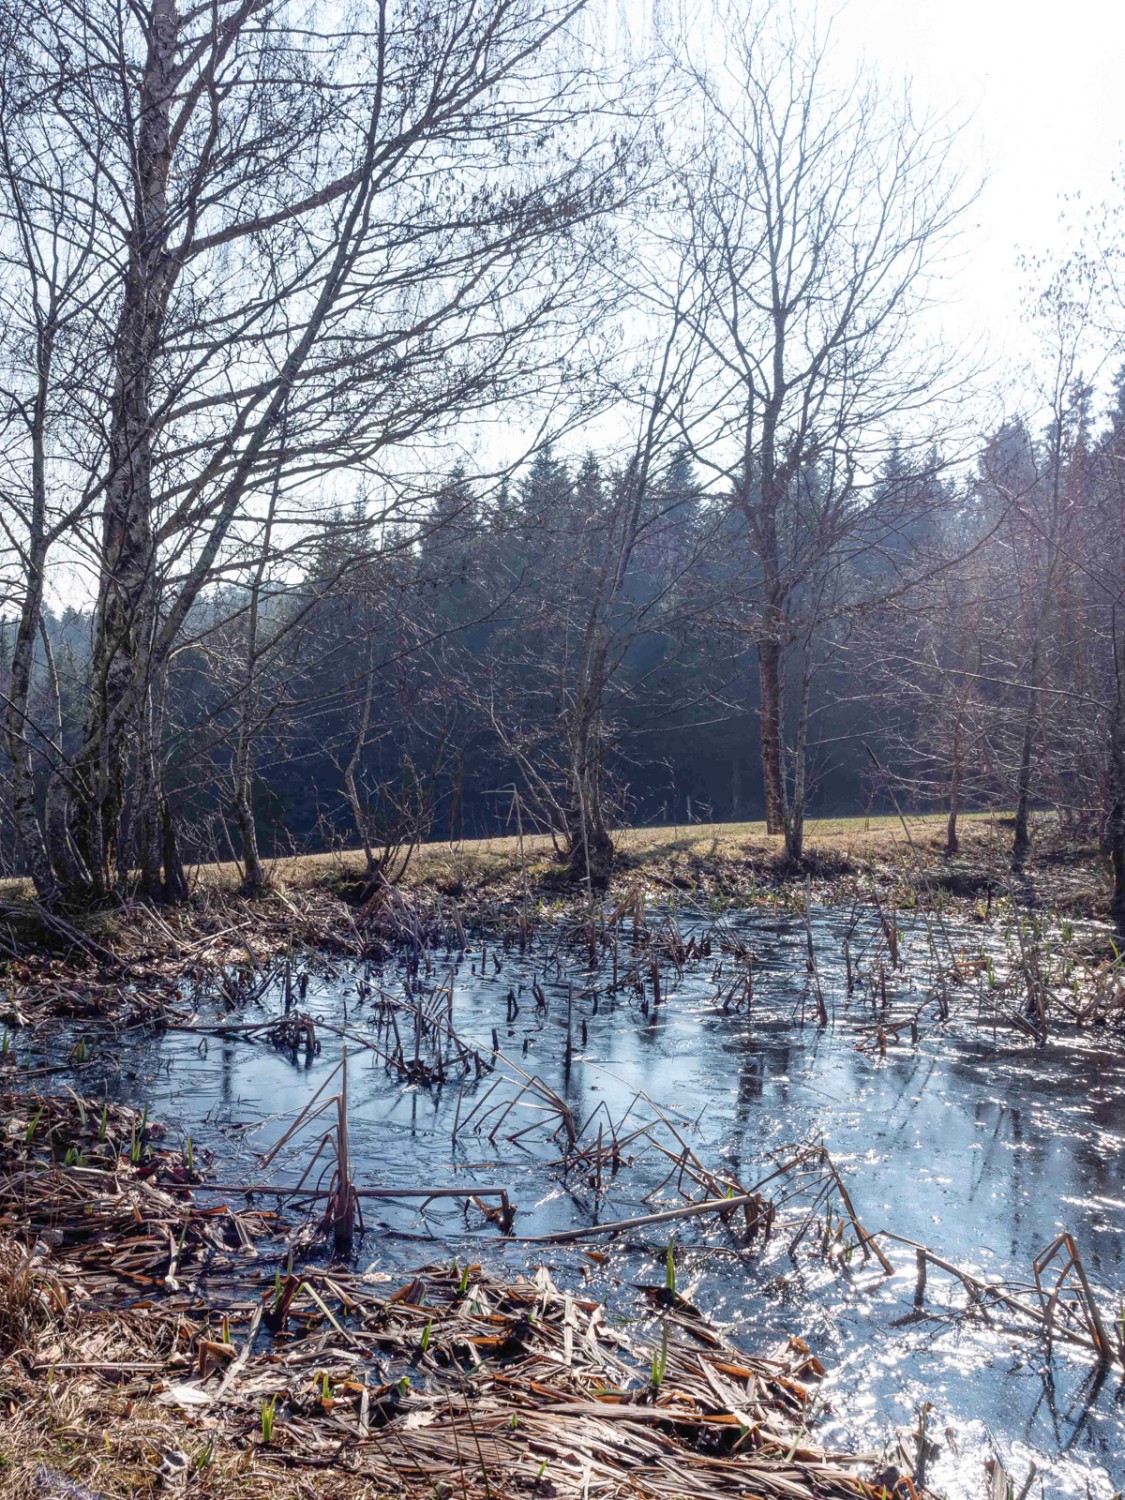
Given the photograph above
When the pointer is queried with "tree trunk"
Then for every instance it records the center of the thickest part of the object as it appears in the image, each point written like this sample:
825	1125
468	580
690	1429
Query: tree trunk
148	831
590	848
1021	843
795	834
25	816
175	881
590	858
952	843
253	871
795	809
351	784
769	717
149	836
359	818
125	611
1115	823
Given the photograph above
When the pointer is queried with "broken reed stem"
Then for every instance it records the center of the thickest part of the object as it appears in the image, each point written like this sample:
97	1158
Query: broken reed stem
687	1211
343	1207
821	1009
978	1290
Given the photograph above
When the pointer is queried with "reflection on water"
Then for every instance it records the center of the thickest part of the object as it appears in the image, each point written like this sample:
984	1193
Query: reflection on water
979	1145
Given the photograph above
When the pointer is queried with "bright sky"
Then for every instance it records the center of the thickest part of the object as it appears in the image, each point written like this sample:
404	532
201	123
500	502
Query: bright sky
1041	85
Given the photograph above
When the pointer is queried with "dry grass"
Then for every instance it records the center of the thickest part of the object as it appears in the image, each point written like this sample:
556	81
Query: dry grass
496	858
518	1390
911	842
57	1428
480	861
30	1297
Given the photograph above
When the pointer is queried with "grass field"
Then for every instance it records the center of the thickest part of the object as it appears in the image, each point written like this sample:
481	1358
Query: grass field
915	844
884	836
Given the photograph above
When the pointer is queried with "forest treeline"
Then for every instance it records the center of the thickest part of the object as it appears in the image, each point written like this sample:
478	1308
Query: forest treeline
282	567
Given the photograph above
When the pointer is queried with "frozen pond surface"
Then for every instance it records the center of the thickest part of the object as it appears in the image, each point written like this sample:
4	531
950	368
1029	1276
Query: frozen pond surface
976	1143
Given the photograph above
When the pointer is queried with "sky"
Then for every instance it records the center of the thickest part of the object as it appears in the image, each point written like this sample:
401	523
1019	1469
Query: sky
1039	84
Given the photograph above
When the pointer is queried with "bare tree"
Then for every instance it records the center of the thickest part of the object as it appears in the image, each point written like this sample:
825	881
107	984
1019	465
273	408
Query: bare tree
813	219
372	229
587	607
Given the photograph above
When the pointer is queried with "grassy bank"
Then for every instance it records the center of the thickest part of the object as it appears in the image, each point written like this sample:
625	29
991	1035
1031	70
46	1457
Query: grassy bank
911	849
639	850
900	855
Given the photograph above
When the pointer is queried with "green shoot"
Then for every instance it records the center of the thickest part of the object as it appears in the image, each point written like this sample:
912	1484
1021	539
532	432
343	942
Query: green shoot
104	1125
426	1335
29	1134
670	1267
269	1408
137	1140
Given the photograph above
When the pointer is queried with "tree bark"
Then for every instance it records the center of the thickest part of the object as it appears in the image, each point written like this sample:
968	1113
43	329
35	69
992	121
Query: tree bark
253	871
794	812
125	611
254	878
1115	822
590	847
25	816
351	784
769	718
952	843
1021	842
175	881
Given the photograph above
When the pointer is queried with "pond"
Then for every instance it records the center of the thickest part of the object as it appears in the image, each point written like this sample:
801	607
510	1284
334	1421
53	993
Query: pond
952	1132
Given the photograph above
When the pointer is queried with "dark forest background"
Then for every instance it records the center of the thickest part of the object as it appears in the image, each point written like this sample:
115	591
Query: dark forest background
417	680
